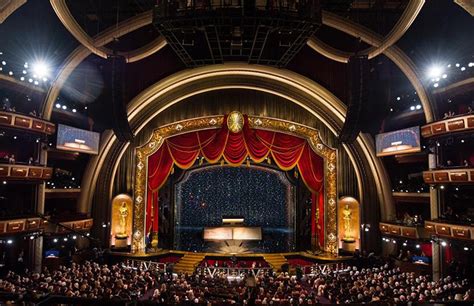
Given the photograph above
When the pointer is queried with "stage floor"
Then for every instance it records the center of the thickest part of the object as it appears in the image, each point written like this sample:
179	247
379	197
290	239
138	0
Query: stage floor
323	257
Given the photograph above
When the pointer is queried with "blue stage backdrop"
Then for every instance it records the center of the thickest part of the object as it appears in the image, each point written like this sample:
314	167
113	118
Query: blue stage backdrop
262	196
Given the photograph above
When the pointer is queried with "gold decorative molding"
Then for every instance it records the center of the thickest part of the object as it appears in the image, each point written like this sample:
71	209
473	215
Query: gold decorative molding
8	7
96	45
467	5
215	122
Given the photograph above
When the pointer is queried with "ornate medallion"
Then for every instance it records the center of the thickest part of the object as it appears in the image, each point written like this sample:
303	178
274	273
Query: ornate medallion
235	122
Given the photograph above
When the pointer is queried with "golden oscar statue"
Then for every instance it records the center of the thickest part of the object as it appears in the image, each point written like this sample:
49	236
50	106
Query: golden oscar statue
347	218
123	214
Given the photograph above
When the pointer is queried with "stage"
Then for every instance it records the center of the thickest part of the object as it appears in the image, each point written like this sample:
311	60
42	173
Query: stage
277	177
188	262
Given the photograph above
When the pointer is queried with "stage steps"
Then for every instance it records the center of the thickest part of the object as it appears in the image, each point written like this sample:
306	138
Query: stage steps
188	263
275	261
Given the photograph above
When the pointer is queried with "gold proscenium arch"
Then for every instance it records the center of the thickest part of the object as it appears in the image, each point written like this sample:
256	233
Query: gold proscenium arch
214	122
291	86
385	45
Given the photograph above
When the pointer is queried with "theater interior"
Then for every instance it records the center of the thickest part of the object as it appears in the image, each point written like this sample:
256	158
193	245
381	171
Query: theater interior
246	152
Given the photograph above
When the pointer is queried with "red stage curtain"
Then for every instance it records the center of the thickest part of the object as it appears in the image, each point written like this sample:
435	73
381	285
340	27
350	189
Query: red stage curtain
182	150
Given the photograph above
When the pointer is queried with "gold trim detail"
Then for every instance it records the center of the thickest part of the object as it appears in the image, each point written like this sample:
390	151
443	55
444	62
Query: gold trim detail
213	122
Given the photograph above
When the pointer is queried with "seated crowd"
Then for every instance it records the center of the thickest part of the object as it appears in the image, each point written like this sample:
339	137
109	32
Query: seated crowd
379	282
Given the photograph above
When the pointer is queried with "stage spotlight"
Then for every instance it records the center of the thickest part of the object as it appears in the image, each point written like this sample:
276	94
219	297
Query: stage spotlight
74	237
443	243
418	106
22	78
9	241
4	182
41	69
463	68
417	246
65	239
444	76
58	105
32	237
466	249
404	244
74	110
412	108
394	241
64	107
435	85
55	240
435	71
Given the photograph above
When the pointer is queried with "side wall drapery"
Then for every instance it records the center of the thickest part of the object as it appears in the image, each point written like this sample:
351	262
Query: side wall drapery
214	145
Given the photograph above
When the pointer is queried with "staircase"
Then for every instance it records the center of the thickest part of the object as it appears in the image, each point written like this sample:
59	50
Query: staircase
275	261
188	263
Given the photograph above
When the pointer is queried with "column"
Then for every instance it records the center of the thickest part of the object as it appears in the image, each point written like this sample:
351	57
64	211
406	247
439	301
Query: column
434	214
37	250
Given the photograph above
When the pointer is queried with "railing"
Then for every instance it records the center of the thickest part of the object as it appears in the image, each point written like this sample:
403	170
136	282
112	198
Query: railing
237	272
25	172
446	229
455	175
240	272
25	122
15	226
412	232
144	265
449	125
76	225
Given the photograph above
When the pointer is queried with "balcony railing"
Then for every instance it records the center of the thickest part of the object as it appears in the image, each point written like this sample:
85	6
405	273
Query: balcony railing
15	226
456	175
25	122
25	172
446	229
412	232
77	225
20	225
451	125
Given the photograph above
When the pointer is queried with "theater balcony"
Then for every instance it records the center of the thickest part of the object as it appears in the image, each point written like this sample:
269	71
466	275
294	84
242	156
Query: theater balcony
450	229
455	175
458	124
74	222
26	122
403	230
22	225
24	172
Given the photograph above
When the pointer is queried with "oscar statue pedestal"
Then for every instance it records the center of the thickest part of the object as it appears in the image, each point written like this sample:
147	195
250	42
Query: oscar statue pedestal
348	245
121	242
